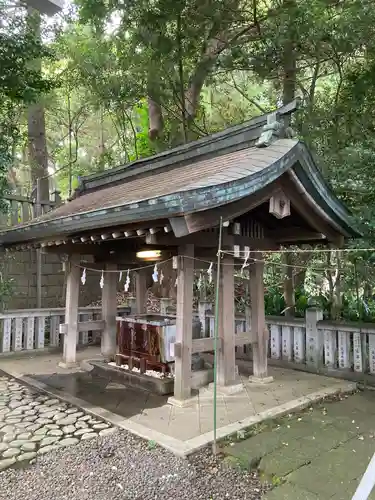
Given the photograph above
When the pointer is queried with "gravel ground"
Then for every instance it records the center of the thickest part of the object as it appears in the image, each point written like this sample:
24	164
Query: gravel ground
121	466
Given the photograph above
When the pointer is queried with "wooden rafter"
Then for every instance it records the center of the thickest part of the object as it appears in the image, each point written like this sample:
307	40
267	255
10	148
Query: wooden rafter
210	218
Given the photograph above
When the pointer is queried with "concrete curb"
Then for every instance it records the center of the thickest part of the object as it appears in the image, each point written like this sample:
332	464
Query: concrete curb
185	448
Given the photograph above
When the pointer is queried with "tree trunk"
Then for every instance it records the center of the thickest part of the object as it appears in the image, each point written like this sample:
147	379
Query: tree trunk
289	60
288	285
155	116
289	92
36	126
337	295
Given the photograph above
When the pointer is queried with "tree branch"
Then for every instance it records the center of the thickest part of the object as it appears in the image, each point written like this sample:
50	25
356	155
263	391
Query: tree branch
249	99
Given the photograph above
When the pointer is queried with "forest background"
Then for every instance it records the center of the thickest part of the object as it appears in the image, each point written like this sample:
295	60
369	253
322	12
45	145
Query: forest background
106	82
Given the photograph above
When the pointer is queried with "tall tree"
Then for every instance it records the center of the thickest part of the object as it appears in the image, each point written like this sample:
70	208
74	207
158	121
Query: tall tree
36	123
20	82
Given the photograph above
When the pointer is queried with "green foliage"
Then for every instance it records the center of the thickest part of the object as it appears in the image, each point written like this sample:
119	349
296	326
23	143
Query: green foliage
20	80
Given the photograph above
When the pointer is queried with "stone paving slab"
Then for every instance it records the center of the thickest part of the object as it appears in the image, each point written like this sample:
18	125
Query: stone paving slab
322	453
151	417
32	424
291	491
154	411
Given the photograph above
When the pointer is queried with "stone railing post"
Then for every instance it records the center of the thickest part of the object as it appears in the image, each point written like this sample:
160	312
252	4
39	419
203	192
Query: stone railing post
314	340
132	303
203	307
165	302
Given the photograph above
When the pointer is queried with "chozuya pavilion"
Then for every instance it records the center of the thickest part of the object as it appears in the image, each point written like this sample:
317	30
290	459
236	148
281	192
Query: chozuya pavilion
260	180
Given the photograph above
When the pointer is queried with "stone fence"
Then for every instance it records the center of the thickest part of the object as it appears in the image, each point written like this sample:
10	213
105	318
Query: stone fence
340	349
38	329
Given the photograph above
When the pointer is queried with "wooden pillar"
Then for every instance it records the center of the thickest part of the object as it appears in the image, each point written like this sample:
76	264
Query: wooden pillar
109	312
141	291
226	368
184	326
71	312
258	323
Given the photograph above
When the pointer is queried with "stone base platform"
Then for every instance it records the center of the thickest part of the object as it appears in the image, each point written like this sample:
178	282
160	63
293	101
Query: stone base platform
180	430
162	386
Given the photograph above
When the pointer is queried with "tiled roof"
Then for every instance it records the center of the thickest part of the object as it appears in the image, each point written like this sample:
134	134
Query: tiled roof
177	179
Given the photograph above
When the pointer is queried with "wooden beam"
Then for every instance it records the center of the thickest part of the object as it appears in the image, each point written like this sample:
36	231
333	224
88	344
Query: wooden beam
209	240
205	345
245	338
294	234
79	249
211	218
84	326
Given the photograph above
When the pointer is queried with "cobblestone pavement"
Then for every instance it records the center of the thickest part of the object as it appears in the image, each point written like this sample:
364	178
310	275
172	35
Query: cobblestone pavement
320	454
32	424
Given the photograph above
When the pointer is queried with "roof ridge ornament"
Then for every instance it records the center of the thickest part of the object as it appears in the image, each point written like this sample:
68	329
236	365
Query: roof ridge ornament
272	131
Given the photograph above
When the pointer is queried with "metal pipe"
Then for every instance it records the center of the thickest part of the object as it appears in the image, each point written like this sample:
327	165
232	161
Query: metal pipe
367	482
216	330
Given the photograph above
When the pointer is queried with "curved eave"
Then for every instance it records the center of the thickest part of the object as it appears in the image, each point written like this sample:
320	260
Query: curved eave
308	176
